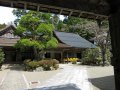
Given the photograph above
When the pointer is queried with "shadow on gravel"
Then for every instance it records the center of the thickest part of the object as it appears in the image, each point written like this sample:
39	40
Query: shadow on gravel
15	67
60	87
104	83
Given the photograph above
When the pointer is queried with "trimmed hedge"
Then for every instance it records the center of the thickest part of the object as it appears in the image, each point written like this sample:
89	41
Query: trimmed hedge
1	57
46	64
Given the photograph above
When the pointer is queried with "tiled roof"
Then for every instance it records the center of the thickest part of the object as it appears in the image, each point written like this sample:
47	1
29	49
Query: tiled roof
66	40
6	29
8	41
73	40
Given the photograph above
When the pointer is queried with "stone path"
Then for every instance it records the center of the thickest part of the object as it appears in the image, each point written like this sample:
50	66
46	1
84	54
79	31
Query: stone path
13	81
70	78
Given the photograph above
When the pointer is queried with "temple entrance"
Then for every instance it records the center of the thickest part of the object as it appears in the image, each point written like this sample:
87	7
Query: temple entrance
58	56
10	54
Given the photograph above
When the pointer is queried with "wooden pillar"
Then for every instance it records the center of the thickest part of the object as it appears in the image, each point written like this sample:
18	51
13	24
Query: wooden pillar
61	57
18	56
114	22
52	54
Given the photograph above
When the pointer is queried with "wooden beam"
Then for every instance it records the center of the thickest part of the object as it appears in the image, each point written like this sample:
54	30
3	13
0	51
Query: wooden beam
114	22
91	10
70	13
38	8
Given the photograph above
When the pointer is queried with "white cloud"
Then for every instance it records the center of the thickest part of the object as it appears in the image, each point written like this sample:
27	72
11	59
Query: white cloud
6	15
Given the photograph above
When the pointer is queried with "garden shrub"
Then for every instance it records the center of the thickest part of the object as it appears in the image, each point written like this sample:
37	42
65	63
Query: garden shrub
55	64
32	65
91	57
1	57
108	56
25	62
46	64
49	64
73	60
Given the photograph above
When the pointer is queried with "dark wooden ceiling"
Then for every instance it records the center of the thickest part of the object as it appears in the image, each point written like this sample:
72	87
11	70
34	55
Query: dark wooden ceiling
93	9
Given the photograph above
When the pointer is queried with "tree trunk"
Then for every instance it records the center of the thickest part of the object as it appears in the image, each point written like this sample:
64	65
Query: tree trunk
42	54
103	56
35	53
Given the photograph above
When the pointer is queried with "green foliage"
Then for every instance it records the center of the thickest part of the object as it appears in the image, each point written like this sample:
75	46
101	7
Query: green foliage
49	64
46	64
60	25
23	43
27	43
1	57
44	17
46	30
52	43
35	32
25	62
37	44
2	26
92	56
78	26
19	31
30	22
108	56
83	32
30	65
18	13
75	20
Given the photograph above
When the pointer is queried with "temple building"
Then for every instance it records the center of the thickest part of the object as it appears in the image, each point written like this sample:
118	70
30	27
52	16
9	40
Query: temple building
70	46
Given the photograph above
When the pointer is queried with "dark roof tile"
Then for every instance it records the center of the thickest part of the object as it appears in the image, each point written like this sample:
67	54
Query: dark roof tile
74	40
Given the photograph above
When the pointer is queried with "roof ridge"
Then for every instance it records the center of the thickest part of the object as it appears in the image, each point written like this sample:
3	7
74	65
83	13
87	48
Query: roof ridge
2	31
66	32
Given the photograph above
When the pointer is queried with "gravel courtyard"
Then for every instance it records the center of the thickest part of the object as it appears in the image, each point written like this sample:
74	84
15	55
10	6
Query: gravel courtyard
68	77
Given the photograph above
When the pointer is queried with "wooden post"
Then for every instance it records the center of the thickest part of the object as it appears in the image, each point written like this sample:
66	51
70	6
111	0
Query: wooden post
52	55
61	57
114	22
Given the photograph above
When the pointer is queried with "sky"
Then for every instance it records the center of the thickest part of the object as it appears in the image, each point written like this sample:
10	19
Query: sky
7	17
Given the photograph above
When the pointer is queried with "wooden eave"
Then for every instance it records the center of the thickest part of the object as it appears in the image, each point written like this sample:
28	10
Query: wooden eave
92	9
6	29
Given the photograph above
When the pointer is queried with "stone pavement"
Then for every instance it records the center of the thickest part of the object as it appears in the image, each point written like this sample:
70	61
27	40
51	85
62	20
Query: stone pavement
101	78
13	80
70	78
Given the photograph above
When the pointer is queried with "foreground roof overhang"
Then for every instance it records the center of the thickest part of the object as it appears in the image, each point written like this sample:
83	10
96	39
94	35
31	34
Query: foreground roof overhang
93	9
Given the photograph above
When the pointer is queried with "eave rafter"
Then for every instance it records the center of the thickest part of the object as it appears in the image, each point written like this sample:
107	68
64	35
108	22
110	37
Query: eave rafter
92	9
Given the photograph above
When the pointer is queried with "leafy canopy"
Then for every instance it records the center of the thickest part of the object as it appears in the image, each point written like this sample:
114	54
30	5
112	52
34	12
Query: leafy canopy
76	25
2	55
35	31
